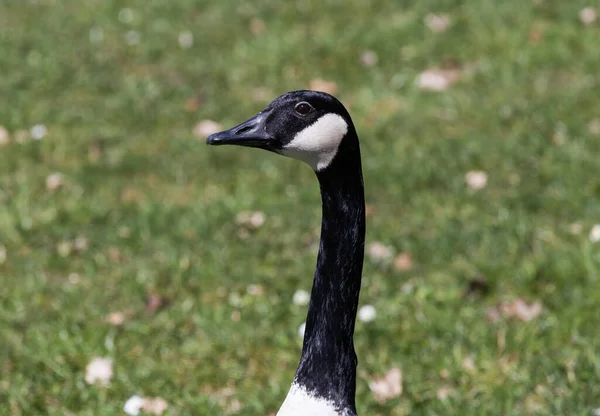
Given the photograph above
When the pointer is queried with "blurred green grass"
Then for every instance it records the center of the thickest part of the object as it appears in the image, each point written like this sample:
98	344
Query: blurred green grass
157	208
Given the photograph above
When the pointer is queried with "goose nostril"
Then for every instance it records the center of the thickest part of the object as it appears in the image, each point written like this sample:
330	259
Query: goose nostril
243	130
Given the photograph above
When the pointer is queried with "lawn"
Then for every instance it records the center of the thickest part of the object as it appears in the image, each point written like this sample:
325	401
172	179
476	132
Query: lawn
120	230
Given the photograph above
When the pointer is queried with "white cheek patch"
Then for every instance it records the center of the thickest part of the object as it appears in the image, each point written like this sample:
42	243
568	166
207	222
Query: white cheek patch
318	143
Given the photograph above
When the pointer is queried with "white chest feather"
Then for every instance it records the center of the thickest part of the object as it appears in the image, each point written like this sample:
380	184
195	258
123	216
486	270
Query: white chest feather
318	143
300	402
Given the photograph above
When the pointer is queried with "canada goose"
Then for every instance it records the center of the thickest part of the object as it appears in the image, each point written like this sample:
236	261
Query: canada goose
316	128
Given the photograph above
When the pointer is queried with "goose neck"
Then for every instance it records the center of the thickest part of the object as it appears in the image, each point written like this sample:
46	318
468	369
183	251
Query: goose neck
328	363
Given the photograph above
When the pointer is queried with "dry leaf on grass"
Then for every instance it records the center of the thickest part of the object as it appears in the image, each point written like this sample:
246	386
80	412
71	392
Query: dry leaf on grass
99	370
74	278
476	179
536	33
251	220
257	26
329	87
131	195
403	262
492	314
192	104
594	126
575	228
443	392
225	397
387	387
469	365
233	406
506	363
368	58
534	402
437	23
223	393
4	136
517	309
21	136
154	405
523	311
205	128
2	254
115	318
95	150
437	79
261	94
80	243
570	365
54	181
154	303
379	252
114	254
151	405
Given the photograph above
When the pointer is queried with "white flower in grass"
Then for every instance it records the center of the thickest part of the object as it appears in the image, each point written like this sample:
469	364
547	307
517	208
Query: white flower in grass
255	290
38	132
126	15
588	16
367	313
96	35
99	370
301	297
186	39
235	300
302	329
132	37
595	233
368	58
476	179
133	405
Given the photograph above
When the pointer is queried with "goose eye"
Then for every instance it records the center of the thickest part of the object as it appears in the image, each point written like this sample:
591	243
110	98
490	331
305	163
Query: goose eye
303	108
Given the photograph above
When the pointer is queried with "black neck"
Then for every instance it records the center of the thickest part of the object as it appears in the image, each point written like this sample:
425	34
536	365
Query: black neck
328	364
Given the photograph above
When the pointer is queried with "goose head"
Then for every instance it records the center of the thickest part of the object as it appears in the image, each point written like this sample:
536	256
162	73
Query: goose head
306	125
